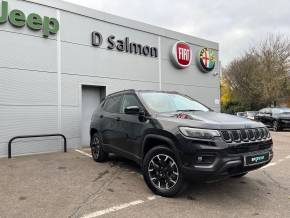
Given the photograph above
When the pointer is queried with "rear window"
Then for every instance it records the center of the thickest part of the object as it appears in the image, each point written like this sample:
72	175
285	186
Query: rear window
113	104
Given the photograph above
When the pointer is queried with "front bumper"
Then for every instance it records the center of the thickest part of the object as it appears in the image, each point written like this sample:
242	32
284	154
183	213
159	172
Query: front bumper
226	163
222	167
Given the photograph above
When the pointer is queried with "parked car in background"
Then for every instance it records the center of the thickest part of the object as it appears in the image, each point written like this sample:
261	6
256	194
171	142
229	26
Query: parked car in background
251	114
247	114
241	114
278	118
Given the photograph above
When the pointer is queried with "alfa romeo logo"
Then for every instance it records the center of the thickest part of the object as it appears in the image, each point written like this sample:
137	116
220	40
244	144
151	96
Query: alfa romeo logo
206	59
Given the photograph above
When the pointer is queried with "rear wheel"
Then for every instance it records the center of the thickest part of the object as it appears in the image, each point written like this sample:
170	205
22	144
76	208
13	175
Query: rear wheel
276	126
98	153
162	172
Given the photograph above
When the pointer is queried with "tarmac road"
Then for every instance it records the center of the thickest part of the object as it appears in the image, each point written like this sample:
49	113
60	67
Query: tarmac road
73	185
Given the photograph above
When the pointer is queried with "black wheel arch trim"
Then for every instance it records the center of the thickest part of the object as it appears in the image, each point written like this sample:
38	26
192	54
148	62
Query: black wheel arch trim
166	139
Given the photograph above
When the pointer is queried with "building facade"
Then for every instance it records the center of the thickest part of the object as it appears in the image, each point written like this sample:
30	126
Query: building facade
58	60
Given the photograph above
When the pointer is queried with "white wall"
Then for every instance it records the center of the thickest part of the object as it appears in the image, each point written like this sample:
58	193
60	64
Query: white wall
30	101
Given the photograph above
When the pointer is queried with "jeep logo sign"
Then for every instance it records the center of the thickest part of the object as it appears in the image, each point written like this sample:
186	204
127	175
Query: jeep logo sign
181	54
17	18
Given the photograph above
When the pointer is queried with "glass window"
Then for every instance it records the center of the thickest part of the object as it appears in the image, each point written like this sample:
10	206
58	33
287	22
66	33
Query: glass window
170	102
113	104
268	110
262	110
281	110
130	100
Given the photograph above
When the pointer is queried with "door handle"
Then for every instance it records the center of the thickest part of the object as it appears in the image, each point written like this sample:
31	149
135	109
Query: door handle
118	118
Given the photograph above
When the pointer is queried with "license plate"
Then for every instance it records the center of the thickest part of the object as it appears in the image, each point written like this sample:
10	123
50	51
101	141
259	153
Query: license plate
256	159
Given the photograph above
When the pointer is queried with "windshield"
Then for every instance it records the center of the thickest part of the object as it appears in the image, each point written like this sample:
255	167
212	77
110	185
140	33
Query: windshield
281	110
169	102
251	113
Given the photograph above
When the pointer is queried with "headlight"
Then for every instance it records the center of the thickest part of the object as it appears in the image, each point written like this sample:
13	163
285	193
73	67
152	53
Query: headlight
199	133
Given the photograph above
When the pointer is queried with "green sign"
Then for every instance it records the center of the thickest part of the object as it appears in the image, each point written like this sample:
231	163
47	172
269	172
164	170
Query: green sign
33	21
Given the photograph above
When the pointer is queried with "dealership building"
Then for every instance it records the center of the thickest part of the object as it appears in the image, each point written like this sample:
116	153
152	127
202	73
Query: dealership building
58	60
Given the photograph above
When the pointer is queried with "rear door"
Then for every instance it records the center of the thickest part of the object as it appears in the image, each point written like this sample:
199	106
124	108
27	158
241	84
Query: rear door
109	120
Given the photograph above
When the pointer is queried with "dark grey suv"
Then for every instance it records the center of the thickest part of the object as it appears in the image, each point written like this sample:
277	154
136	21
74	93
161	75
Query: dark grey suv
174	137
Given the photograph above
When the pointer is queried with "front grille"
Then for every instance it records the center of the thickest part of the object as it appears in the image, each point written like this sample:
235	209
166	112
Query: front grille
226	135
250	147
247	140
236	135
251	134
245	135
263	133
257	134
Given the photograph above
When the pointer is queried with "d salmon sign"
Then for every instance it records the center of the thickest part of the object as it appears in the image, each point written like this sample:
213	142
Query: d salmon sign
206	59
181	54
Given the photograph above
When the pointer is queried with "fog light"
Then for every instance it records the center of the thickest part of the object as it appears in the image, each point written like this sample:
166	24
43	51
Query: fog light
199	158
205	158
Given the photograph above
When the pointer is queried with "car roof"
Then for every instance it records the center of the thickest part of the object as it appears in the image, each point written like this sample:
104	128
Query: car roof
139	91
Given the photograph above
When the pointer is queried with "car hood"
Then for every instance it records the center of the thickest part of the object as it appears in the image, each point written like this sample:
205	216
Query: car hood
207	120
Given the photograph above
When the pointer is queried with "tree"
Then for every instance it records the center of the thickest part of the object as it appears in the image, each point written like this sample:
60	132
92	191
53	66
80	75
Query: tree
261	76
226	91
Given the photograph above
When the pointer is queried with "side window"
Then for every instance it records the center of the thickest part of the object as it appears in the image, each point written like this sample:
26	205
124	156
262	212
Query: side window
130	100
268	110
113	104
262	111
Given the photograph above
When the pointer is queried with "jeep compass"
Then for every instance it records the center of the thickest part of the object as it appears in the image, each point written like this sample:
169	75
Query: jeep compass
174	138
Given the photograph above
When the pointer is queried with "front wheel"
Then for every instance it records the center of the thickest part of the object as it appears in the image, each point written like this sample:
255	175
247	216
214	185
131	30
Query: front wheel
162	172
98	153
276	126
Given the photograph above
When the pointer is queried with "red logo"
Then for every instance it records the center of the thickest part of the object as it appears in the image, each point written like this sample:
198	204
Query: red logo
181	54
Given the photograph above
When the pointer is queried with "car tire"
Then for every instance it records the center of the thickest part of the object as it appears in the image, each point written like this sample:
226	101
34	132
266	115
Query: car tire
98	153
276	126
239	175
162	172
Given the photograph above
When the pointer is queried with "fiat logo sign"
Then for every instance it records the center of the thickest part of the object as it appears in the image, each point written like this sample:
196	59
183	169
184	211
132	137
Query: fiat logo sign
181	54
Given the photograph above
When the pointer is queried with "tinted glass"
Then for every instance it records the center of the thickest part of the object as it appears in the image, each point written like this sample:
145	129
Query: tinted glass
113	104
251	113
281	110
130	100
169	102
268	110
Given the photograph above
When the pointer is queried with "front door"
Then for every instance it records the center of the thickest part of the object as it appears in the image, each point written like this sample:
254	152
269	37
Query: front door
132	127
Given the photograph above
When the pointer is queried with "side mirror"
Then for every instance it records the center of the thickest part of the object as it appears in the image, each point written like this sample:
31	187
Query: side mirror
134	110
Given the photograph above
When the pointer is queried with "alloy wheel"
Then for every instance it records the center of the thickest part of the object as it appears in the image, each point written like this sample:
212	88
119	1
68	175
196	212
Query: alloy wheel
163	172
275	126
96	147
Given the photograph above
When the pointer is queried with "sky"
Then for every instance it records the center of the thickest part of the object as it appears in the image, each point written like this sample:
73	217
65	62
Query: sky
235	25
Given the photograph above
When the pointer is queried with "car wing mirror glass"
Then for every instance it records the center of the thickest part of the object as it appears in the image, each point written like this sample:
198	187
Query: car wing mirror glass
135	110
